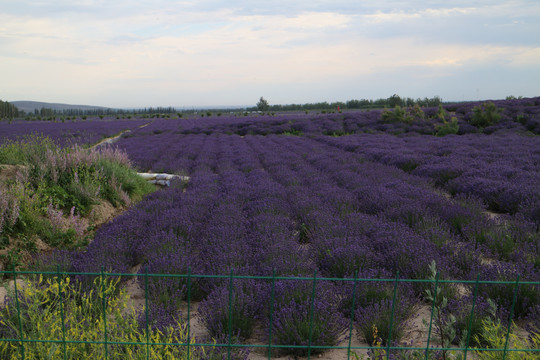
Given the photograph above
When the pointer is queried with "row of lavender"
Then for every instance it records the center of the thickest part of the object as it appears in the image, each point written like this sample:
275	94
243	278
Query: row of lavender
501	169
80	132
296	205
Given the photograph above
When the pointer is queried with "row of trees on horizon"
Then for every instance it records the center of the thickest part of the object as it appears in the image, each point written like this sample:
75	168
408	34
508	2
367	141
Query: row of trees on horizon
390	102
10	111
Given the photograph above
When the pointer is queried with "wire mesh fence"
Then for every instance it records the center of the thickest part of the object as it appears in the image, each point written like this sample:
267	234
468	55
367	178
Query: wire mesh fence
108	339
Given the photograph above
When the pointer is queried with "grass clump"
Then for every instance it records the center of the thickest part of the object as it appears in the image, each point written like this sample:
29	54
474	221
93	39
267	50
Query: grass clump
494	334
54	188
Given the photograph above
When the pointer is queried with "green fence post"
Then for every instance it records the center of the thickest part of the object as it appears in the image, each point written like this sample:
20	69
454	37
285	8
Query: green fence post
62	310
352	314
230	314
104	302
431	316
188	312
146	312
21	335
392	317
511	317
469	327
272	296
311	311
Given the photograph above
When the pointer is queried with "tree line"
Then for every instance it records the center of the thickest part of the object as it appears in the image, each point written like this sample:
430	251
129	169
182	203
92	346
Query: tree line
8	110
389	102
104	111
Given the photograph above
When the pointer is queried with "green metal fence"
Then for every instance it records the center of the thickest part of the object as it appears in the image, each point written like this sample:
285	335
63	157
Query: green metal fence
384	351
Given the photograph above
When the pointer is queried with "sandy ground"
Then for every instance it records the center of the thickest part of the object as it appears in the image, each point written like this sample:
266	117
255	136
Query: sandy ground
415	334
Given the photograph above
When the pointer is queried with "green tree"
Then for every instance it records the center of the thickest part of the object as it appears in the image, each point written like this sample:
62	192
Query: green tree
262	105
8	110
394	101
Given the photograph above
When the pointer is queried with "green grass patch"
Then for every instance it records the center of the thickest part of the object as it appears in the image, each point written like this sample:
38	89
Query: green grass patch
56	187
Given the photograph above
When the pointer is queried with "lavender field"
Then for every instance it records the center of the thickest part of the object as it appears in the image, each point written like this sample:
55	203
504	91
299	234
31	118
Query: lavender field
338	195
70	132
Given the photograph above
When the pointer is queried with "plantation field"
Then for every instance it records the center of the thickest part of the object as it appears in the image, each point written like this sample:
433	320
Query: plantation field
369	195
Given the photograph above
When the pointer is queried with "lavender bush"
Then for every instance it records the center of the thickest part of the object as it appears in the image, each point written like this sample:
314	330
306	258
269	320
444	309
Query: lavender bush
300	320
380	314
234	314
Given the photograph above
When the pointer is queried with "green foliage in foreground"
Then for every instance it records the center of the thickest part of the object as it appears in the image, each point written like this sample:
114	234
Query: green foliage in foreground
489	334
493	334
56	309
54	188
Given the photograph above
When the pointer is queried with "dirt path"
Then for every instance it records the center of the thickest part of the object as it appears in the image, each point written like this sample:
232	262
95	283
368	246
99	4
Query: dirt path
113	139
109	140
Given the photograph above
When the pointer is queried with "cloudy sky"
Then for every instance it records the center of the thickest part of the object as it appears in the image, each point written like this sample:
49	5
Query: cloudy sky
131	53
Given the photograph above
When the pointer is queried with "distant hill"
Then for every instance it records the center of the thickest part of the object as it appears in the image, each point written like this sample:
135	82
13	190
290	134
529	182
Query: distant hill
30	106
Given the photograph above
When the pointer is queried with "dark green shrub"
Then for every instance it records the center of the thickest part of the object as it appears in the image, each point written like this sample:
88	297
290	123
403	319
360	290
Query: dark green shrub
400	115
416	112
447	127
522	119
59	197
441	113
63	239
484	115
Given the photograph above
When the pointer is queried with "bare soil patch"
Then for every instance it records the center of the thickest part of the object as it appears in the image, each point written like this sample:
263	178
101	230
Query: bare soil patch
9	173
103	213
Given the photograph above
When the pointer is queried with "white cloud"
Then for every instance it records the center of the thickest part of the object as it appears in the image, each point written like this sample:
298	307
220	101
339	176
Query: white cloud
184	50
